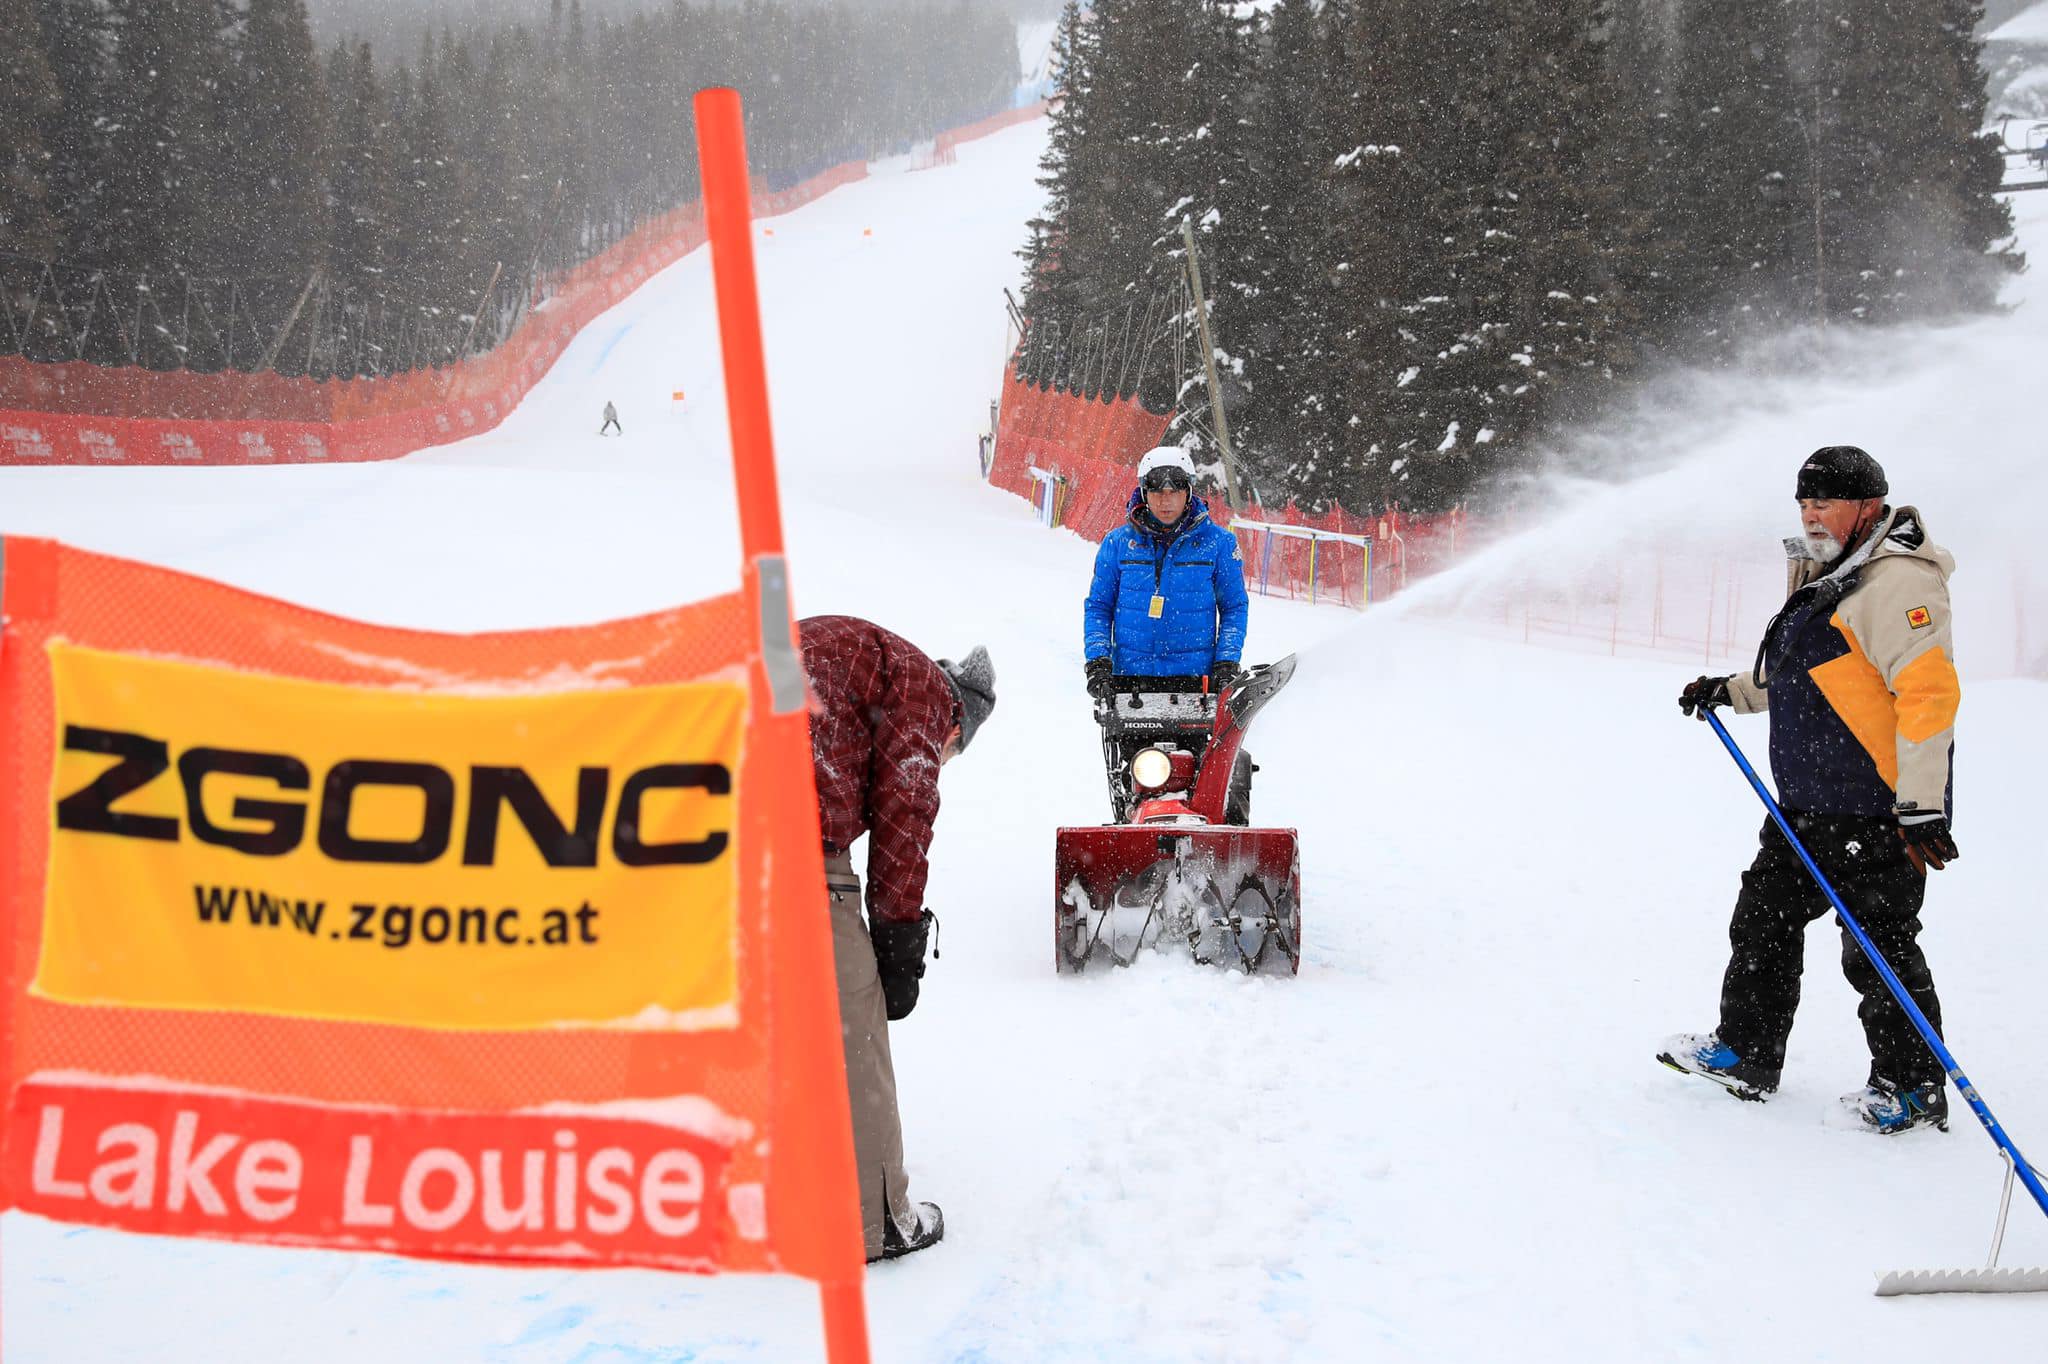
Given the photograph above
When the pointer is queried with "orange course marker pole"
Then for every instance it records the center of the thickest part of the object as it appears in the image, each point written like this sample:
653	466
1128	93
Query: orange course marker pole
814	1211
722	155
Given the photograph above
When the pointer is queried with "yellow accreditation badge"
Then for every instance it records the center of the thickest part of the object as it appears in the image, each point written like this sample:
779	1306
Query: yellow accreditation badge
1158	608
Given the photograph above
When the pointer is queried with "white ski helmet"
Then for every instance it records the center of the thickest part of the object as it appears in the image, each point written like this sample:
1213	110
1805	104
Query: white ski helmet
1167	457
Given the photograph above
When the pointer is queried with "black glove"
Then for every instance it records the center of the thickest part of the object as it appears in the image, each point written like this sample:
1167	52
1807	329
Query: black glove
1098	676
1928	840
899	959
1703	694
1222	673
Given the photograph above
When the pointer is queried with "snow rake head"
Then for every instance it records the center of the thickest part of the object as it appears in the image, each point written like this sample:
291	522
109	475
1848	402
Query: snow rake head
1990	1279
1232	895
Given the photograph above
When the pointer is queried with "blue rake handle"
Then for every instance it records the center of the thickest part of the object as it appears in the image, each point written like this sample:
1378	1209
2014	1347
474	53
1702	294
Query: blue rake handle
1884	969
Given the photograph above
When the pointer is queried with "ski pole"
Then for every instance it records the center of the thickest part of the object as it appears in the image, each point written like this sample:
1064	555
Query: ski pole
1884	969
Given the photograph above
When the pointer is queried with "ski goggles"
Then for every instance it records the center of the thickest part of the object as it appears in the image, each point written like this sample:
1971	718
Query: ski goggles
1168	479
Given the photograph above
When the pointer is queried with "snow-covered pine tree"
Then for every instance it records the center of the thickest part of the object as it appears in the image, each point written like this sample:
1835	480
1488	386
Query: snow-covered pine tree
28	97
1566	235
1207	166
163	206
1982	249
1053	275
76	43
1454	299
1907	174
431	252
273	116
360	170
1741	185
1278	318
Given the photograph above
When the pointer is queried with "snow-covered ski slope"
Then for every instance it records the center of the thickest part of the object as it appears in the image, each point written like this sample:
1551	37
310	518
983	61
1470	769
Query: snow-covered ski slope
1447	1139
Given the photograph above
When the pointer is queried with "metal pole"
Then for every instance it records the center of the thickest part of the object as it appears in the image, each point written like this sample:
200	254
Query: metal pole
1187	233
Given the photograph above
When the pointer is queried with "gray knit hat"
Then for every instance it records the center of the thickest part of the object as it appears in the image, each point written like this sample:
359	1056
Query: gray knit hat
974	687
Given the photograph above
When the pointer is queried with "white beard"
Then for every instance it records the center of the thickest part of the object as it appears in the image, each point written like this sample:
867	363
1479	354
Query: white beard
1823	547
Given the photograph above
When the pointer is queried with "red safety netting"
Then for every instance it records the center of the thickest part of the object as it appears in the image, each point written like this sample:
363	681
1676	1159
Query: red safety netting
95	414
1077	454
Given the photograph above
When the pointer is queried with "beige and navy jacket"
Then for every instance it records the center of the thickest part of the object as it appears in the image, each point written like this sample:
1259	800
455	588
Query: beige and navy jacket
1858	673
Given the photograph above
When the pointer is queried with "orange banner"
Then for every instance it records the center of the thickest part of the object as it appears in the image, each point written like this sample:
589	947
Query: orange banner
325	933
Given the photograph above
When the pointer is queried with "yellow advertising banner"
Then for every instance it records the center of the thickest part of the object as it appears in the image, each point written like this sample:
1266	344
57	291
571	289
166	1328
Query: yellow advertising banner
225	840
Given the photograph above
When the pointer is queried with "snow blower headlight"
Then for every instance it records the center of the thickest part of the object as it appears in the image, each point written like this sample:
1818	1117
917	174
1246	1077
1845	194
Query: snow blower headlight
1151	768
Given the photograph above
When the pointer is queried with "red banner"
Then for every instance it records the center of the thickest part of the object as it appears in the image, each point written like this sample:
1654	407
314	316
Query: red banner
575	1185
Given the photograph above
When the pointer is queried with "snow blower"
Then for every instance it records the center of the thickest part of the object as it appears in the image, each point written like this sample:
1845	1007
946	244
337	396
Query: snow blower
1181	863
1894	1283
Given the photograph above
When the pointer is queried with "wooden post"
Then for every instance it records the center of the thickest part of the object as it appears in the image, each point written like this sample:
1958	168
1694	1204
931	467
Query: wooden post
1187	233
276	345
478	315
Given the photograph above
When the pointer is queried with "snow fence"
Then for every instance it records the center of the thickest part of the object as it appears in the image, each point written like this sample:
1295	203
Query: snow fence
83	413
1073	458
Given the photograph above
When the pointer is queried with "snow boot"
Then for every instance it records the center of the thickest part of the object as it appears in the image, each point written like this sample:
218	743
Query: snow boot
1885	1108
928	1229
1708	1057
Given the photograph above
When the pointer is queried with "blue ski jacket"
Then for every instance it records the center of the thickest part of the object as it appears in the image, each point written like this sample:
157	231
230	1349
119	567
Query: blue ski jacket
1194	571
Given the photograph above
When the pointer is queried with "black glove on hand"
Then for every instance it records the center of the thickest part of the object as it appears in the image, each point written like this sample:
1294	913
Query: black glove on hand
1222	673
899	958
1098	676
1702	694
1928	840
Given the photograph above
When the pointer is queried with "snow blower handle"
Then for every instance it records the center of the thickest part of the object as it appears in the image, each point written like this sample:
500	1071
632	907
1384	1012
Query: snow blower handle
1891	979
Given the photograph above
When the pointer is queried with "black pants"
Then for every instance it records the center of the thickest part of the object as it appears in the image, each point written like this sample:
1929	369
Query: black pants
1866	861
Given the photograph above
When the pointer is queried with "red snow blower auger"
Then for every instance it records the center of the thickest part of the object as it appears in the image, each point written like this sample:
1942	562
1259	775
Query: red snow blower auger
1180	864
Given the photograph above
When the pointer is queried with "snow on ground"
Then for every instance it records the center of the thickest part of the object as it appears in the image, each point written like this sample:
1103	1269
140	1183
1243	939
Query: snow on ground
2028	26
1446	1140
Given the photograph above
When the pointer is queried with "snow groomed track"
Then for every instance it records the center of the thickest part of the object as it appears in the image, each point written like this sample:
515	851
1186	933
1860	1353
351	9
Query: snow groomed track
1446	1140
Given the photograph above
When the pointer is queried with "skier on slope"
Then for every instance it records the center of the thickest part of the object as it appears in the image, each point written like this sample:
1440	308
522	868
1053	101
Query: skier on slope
884	719
1856	672
611	420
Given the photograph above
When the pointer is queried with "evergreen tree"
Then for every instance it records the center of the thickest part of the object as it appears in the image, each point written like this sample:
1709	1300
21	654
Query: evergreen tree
1281	320
430	248
359	167
1975	166
76	41
1907	175
162	209
28	96
274	127
1052	282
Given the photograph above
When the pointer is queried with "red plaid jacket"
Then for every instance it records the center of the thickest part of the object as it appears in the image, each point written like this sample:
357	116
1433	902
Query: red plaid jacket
881	712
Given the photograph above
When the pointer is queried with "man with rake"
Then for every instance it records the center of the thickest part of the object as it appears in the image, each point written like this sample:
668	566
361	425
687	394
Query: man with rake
1857	674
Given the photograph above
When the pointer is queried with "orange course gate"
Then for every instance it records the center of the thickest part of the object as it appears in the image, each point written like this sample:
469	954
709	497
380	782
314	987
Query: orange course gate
507	947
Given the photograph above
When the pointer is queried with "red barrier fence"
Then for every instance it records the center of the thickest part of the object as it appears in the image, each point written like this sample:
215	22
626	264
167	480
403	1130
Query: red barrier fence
945	142
83	413
94	414
1072	457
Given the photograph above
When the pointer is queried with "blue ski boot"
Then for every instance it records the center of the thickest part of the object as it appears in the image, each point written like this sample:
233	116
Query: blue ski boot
1885	1108
1708	1057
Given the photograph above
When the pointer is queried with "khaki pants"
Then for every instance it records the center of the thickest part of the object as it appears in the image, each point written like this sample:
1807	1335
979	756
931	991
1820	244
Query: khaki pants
870	1073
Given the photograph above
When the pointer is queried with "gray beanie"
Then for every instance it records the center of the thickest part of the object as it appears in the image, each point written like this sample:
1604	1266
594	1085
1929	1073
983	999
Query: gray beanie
974	687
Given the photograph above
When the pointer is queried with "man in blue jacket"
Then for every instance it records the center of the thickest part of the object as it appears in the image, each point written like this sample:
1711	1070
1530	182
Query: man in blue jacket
1168	598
